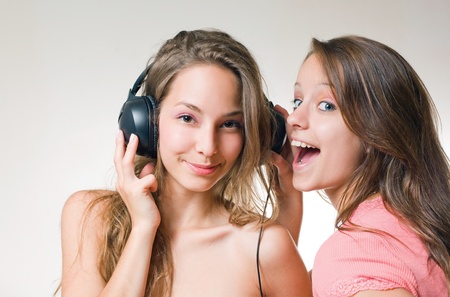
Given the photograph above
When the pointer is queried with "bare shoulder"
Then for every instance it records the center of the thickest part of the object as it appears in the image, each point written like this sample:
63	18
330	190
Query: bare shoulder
81	218
276	243
81	227
275	238
84	197
77	203
282	268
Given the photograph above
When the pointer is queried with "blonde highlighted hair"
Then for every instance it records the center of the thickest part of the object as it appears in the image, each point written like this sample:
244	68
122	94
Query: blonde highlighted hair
236	191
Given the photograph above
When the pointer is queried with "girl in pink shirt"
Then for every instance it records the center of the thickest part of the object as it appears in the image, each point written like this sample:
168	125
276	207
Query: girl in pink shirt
363	130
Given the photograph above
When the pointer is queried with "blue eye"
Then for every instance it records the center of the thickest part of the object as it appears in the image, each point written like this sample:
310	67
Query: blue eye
326	106
297	103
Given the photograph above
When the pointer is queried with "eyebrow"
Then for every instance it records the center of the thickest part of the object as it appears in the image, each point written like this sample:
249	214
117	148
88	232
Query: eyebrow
320	84
197	109
190	106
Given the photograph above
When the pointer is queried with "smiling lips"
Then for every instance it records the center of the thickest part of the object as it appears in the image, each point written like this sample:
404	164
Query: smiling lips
203	169
306	152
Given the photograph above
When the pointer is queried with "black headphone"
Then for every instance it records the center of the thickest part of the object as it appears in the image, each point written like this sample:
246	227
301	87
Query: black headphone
138	116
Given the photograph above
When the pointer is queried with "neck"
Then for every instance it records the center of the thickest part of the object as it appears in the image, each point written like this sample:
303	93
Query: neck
335	197
187	210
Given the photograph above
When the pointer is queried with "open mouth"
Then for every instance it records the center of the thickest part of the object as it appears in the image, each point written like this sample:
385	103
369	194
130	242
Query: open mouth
306	152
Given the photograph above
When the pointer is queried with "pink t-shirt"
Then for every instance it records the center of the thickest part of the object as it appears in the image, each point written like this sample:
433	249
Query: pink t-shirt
353	261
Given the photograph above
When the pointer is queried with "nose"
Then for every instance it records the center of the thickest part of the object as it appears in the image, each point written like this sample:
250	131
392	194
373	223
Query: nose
299	117
207	141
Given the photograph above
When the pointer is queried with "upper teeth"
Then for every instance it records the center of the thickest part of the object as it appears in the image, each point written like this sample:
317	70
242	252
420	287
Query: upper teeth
300	144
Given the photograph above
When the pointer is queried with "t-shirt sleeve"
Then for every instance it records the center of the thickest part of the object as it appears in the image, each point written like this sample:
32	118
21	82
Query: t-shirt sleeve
349	262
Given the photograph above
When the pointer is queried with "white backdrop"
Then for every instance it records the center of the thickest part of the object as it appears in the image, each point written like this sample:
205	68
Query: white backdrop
66	67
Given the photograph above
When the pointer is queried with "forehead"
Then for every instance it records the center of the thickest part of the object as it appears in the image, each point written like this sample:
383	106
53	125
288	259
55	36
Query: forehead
205	83
312	69
311	75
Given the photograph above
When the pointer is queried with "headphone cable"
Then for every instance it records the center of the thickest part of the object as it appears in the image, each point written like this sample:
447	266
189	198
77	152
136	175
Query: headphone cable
259	243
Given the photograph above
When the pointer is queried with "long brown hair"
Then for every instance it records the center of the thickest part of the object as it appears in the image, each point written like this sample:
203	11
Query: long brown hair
385	103
236	191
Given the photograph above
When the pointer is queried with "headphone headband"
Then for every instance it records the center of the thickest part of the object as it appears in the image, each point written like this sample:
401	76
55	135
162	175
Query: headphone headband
138	116
140	80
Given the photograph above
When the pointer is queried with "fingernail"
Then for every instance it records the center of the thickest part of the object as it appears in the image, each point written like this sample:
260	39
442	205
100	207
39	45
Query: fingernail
132	137
117	133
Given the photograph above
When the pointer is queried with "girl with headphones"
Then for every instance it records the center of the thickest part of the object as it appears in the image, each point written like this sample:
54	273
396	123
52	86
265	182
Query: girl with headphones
186	218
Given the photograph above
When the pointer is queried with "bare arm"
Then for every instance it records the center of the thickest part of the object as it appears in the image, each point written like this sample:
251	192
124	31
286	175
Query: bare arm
282	269
291	200
80	250
80	275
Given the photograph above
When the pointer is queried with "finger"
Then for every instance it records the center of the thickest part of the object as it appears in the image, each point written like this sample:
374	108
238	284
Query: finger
149	182
282	111
283	185
119	152
129	156
281	164
285	115
148	169
287	152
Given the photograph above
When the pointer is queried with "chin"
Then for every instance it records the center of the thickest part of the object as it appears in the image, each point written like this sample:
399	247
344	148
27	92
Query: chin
303	187
199	187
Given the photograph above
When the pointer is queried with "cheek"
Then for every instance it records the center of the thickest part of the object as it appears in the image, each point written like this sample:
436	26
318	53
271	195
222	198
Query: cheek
348	150
231	145
355	151
343	147
172	139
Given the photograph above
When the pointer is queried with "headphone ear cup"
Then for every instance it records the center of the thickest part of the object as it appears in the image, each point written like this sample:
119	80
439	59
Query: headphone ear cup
278	132
137	116
278	127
